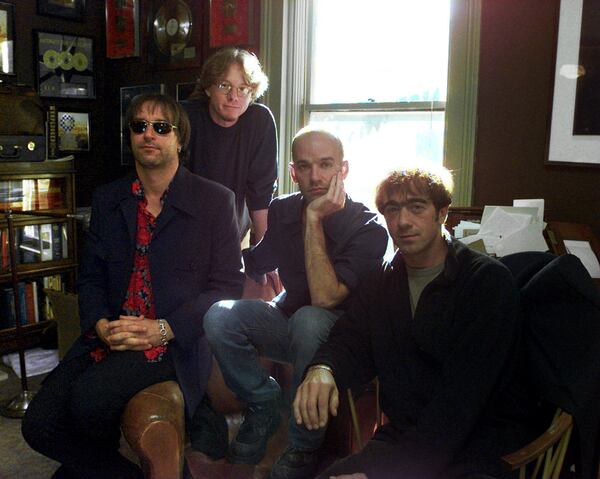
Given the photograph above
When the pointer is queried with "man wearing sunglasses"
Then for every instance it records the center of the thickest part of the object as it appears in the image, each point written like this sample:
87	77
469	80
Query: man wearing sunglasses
233	139
163	245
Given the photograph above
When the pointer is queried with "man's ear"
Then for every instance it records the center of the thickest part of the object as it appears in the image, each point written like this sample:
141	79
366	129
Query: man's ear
292	171
345	169
442	215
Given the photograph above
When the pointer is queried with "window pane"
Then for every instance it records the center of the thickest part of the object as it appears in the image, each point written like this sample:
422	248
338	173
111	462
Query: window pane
379	51
377	142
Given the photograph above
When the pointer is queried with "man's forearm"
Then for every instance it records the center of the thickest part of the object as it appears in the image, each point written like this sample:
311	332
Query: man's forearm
325	289
259	223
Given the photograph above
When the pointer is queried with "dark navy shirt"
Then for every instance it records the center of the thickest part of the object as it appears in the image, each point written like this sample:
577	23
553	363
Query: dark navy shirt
355	241
242	157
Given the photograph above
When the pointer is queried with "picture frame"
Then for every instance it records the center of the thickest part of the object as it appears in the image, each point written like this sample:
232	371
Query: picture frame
231	22
127	94
7	39
71	9
184	90
122	28
173	32
73	131
64	65
564	147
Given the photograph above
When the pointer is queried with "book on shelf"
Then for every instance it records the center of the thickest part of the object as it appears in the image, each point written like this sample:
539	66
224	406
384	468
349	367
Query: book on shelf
7	306
52	133
46	242
57	248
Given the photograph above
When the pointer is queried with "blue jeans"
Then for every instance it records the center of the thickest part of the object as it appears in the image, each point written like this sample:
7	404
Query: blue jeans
241	331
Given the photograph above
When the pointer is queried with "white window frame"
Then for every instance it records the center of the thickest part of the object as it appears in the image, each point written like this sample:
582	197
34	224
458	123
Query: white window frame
285	28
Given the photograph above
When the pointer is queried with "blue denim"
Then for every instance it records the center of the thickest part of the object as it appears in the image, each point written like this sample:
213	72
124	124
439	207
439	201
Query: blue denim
241	331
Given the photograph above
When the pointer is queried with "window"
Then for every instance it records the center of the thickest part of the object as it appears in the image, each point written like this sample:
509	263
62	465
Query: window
396	79
378	79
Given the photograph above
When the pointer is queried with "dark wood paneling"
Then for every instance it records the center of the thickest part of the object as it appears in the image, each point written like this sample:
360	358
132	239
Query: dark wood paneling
518	41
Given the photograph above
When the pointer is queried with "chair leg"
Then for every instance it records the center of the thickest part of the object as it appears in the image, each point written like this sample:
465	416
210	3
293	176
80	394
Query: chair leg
156	442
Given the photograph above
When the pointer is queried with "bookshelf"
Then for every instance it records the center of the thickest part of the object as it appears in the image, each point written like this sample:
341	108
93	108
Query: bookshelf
45	245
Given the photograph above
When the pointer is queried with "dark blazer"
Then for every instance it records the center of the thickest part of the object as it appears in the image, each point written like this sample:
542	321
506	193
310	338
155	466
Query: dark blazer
194	262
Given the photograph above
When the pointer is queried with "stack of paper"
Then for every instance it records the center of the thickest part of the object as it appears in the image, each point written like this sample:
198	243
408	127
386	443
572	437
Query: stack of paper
37	361
511	229
583	250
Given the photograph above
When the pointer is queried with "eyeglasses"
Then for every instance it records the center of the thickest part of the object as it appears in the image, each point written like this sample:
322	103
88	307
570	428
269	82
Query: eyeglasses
226	87
159	127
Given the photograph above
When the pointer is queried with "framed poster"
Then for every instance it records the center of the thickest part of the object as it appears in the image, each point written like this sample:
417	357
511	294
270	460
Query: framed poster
73	131
64	65
565	147
128	93
231	22
7	39
122	28
184	90
72	9
174	33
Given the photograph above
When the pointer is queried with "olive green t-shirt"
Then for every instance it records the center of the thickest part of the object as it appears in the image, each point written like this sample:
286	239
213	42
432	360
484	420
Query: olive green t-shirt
418	278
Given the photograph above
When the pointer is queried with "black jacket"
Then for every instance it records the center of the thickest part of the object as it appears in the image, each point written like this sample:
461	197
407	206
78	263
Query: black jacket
441	372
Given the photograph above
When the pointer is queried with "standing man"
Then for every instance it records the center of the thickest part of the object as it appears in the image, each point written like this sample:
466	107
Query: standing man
162	247
436	326
234	139
322	242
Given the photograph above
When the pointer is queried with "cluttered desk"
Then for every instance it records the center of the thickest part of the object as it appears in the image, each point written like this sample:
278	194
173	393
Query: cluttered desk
503	230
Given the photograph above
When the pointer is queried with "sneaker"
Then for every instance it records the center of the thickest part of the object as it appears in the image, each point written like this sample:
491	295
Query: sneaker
208	431
295	464
250	444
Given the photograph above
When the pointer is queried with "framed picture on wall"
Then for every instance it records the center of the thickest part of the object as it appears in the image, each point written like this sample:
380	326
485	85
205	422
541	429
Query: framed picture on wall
577	65
122	28
71	9
231	22
7	39
174	33
128	93
73	131
184	90
64	65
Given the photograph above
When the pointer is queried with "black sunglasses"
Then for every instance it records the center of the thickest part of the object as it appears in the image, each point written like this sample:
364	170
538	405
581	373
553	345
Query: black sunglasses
160	127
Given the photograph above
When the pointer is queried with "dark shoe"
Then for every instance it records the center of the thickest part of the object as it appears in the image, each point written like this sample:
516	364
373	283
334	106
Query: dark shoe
208	431
250	444
295	464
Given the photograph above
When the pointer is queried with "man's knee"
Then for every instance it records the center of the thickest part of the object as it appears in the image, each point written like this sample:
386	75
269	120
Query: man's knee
36	429
311	322
217	318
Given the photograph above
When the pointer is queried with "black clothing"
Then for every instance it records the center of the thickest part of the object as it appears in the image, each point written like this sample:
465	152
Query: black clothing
356	242
242	157
75	417
440	372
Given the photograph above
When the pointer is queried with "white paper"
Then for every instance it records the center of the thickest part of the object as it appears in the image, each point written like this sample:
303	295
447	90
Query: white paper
583	250
535	203
37	361
527	239
460	228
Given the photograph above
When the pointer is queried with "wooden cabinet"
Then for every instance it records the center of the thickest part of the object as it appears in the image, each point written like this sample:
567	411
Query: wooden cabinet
45	244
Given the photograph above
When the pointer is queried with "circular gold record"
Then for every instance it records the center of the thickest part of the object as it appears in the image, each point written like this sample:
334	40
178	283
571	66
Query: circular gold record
172	27
65	60
51	59
80	62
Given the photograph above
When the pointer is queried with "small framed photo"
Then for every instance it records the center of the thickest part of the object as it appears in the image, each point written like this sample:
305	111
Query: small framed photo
231	23
71	9
184	90
73	131
64	65
7	39
128	93
122	28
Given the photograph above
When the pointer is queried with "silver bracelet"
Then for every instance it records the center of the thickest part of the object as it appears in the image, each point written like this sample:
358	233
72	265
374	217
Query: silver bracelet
163	332
321	366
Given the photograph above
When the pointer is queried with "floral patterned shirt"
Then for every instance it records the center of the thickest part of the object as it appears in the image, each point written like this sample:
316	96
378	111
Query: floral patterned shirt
139	299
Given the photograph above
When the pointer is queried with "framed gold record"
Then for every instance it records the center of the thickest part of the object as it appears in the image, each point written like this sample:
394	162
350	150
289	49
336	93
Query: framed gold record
174	32
64	65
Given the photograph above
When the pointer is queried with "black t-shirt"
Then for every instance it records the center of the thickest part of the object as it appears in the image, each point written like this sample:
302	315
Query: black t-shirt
242	157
